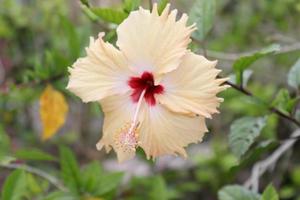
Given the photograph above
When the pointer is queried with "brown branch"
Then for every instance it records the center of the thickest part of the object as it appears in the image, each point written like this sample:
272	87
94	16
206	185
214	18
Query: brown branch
234	56
103	26
271	108
281	114
240	88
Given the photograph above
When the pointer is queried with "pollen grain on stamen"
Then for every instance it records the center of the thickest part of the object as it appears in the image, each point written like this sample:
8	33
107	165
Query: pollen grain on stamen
126	139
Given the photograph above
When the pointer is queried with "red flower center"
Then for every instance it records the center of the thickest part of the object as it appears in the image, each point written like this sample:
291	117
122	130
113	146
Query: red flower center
145	82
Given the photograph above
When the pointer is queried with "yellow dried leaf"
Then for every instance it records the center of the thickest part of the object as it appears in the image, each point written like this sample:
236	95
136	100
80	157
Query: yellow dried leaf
53	111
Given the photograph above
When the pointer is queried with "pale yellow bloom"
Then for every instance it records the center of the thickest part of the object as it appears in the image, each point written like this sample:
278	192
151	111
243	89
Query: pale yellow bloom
155	93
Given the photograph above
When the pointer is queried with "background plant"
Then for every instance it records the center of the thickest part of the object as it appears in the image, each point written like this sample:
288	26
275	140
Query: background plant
251	151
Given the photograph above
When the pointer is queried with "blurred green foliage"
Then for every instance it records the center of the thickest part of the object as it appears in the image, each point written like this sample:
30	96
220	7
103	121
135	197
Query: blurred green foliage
39	40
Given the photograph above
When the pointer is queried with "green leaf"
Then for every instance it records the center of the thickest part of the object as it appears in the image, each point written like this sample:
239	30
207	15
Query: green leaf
108	183
130	5
236	192
72	37
161	5
85	2
35	186
15	186
294	75
295	175
4	141
69	169
110	14
91	177
5	158
288	192
246	76
284	102
159	189
203	14
255	154
6	31
270	193
34	154
244	62
243	132
58	195
154	188
192	186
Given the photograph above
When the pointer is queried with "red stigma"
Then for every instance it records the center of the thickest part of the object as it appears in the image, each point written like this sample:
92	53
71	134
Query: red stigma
145	82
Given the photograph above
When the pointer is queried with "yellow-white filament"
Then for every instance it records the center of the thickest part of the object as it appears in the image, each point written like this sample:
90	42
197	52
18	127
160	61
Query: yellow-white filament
127	137
135	117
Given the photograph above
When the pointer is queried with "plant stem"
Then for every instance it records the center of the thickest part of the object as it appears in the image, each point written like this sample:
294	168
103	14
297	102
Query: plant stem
234	56
271	108
262	166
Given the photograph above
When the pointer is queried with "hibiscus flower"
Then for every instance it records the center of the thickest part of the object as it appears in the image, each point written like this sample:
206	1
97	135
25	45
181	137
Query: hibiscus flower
154	92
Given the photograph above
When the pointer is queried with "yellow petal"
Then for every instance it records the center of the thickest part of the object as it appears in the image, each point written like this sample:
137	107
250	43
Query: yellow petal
103	72
118	111
53	111
164	132
154	43
192	87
